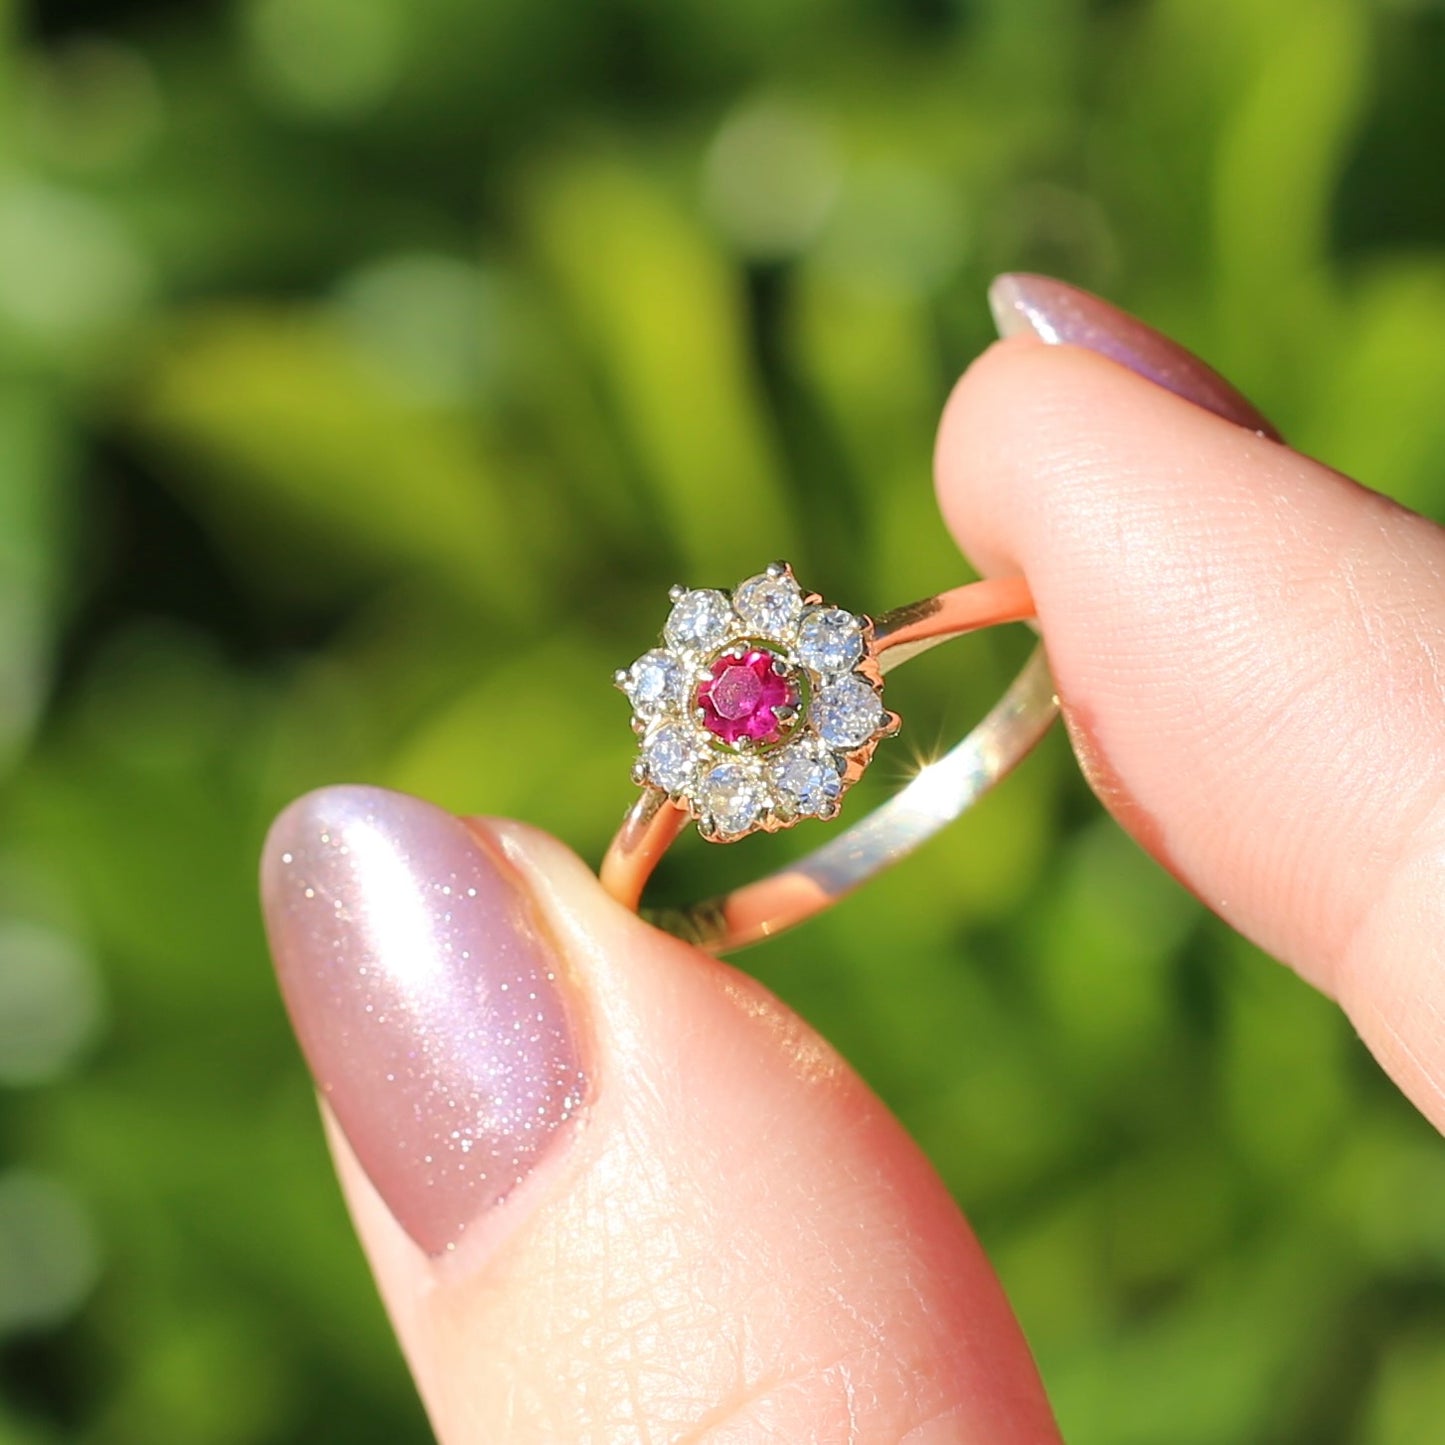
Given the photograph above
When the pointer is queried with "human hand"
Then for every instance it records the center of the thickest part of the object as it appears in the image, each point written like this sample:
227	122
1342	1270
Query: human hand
613	1191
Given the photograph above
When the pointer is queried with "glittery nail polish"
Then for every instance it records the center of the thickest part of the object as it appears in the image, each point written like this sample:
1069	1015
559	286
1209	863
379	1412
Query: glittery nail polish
427	999
1064	315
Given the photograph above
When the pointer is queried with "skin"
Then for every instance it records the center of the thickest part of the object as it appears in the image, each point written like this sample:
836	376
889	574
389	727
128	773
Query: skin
739	1243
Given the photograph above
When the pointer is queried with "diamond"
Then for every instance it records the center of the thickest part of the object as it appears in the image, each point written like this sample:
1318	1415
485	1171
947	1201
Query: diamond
672	756
743	696
733	796
830	640
847	713
655	682
758	708
701	619
769	604
808	781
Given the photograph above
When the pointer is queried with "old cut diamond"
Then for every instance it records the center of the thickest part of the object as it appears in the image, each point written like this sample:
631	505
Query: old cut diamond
733	796
672	757
808	781
830	640
847	713
656	682
702	619
769	605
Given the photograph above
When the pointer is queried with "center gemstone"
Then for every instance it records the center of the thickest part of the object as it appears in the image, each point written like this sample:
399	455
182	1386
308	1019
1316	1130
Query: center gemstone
743	694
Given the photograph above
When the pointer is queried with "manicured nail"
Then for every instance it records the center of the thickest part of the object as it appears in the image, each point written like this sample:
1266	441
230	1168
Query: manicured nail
1062	314
427	999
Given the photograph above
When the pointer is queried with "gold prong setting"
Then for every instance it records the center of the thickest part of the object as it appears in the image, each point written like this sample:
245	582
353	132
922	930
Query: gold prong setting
760	707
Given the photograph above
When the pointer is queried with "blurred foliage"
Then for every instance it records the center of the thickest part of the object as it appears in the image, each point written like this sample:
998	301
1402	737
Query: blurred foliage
367	362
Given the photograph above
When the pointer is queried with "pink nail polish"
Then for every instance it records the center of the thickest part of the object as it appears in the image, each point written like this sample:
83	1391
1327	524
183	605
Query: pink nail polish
426	998
1062	314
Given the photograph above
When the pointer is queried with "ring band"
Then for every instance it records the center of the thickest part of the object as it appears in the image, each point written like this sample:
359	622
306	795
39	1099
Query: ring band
731	687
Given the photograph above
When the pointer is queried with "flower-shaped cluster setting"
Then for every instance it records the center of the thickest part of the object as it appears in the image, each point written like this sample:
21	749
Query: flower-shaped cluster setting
761	707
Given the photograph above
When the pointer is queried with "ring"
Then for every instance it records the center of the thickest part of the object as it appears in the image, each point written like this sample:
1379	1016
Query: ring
761	708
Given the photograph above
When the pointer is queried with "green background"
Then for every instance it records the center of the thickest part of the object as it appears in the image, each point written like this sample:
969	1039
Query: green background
371	367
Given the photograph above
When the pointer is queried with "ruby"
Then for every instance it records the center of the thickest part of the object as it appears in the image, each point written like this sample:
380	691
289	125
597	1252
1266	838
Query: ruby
739	697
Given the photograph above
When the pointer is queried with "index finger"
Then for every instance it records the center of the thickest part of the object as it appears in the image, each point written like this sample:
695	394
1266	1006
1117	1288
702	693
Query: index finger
1248	647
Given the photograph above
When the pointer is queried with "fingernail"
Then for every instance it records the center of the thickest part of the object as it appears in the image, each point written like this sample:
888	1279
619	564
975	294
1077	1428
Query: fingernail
428	1002
1063	315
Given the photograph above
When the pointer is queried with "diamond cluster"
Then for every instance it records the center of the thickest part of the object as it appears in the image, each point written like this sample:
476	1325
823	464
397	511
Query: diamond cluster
761	707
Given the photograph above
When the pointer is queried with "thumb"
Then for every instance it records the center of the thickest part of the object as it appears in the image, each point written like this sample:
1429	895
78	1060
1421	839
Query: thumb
612	1189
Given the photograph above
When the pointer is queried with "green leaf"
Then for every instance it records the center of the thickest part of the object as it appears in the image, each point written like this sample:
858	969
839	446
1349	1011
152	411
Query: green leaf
663	318
317	472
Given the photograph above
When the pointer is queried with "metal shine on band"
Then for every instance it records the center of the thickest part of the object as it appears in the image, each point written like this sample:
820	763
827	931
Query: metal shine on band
763	706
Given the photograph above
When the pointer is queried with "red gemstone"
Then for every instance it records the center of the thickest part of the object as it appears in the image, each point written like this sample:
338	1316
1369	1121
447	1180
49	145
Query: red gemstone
738	699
